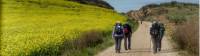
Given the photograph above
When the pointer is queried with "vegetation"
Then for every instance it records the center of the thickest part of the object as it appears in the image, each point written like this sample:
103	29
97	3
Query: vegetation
181	20
185	16
44	27
186	35
177	19
100	3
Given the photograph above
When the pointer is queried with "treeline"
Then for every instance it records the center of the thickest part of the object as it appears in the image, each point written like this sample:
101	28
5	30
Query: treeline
170	4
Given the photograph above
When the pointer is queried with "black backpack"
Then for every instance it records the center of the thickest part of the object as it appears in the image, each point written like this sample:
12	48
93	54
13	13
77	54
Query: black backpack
126	29
155	29
118	29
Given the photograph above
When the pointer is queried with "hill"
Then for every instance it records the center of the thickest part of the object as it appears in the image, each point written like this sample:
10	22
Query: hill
163	8
43	27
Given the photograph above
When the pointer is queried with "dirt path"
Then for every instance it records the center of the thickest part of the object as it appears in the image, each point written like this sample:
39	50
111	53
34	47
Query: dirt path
141	45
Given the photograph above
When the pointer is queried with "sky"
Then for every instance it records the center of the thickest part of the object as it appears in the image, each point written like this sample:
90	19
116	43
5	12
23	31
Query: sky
127	5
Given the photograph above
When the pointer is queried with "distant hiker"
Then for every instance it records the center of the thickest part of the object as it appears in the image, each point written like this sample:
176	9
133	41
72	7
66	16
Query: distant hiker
154	32
118	34
128	32
141	22
161	34
141	19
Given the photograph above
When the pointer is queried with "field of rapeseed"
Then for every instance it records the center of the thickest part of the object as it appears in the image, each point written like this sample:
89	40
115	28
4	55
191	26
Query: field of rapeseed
34	26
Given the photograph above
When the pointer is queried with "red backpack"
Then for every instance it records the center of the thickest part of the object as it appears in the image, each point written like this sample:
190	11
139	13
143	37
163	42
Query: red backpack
126	30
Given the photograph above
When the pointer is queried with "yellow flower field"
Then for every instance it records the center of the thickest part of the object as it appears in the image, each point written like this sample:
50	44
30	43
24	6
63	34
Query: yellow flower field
32	25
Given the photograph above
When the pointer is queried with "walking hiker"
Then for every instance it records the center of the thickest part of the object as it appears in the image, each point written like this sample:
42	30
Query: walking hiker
118	34
154	32
128	32
161	34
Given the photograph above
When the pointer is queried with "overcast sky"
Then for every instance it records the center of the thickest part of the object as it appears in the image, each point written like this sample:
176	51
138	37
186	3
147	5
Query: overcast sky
127	5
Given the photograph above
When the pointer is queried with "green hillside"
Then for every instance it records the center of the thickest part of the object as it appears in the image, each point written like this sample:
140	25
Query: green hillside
31	27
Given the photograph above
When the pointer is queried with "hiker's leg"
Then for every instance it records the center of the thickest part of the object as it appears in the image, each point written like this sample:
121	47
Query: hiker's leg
120	41
129	41
157	43
116	43
119	44
154	44
160	42
125	42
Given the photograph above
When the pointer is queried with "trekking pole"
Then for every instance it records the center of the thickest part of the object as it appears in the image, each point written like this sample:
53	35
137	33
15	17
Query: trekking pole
150	44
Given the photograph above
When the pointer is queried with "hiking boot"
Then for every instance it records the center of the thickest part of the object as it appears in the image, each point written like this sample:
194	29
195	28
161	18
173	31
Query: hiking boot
117	51
129	48
159	49
126	49
154	52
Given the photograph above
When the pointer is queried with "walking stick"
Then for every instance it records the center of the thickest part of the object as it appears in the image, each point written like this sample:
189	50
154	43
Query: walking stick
150	44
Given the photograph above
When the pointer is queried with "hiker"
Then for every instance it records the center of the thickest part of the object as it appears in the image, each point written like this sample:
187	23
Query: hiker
154	32
118	34
141	21
127	32
161	34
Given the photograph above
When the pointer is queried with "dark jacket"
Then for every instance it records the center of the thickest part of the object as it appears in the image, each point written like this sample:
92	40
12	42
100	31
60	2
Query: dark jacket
155	29
128	27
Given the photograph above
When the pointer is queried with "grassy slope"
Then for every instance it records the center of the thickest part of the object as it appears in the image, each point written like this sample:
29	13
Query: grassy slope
31	25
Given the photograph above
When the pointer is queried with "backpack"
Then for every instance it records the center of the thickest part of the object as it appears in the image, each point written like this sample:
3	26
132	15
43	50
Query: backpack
155	30
126	30
118	29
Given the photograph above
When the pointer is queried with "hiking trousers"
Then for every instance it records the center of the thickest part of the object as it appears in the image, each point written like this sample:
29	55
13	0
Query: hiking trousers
155	41
127	44
160	42
118	43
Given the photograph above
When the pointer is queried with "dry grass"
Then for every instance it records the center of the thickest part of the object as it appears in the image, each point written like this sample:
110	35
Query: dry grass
186	36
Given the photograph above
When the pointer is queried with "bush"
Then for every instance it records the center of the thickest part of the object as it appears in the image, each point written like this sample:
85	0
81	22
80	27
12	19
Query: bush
186	36
177	19
85	43
133	23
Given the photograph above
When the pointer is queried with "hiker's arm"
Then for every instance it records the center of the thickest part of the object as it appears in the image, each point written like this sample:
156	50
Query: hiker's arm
151	31
113	32
163	28
130	28
123	32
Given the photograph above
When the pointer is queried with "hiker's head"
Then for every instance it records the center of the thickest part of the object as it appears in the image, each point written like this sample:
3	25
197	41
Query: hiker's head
154	22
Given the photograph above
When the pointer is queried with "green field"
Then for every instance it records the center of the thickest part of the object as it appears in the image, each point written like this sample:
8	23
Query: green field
30	26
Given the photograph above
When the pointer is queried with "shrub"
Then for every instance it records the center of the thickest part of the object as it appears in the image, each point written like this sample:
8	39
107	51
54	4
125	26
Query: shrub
88	39
186	36
177	19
